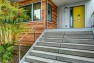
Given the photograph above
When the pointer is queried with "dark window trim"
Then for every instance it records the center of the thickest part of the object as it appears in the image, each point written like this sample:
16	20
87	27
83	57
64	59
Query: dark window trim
51	13
33	11
40	12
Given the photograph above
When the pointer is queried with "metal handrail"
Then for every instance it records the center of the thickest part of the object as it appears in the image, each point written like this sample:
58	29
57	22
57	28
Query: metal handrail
34	27
92	23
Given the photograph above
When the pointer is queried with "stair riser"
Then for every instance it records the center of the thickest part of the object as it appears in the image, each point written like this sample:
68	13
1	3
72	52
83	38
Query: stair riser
77	53
67	46
25	62
49	44
79	41
43	55
34	61
52	40
79	36
71	60
82	47
53	36
54	33
46	49
78	33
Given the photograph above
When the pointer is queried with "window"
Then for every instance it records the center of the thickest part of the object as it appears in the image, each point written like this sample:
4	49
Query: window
49	13
29	11
37	11
71	17
34	11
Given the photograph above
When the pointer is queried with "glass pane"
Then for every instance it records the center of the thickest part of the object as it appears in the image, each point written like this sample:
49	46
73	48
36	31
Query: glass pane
29	11
49	12
37	11
71	17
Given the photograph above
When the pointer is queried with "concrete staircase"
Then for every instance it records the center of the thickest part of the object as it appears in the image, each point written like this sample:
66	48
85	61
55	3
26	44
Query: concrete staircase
63	47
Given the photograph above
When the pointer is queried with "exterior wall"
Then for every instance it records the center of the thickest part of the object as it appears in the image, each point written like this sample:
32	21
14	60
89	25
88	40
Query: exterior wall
64	16
53	24
29	39
49	25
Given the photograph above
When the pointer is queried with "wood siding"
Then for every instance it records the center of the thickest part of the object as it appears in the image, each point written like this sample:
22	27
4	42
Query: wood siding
53	24
29	39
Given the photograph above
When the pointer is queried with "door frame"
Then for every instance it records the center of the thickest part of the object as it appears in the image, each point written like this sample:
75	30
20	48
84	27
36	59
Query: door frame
71	23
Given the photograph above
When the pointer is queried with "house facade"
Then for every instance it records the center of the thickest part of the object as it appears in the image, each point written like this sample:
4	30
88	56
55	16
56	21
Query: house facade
67	14
61	14
38	12
54	14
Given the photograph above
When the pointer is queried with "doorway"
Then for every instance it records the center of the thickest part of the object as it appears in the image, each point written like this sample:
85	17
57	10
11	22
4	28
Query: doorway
77	17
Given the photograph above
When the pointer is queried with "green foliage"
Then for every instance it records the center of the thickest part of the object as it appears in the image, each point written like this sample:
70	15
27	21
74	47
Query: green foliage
6	53
11	21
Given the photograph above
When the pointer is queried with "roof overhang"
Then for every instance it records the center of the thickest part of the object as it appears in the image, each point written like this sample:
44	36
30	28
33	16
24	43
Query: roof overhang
64	2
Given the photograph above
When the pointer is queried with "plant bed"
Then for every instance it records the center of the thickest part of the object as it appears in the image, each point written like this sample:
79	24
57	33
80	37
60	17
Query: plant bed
24	50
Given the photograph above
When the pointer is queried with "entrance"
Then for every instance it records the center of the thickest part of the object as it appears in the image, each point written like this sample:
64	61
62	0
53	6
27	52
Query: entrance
77	15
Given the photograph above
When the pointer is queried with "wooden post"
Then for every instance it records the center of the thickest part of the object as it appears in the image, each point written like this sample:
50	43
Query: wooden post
44	12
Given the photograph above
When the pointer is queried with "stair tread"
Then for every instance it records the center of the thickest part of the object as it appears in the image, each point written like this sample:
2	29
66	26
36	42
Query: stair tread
79	39
69	43
53	38
64	55
25	62
68	49
43	59
78	44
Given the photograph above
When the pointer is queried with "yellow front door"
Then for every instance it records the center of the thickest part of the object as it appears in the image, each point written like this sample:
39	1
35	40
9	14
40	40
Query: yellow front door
79	16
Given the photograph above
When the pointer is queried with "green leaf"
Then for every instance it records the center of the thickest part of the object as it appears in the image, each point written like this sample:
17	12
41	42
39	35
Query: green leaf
10	49
2	50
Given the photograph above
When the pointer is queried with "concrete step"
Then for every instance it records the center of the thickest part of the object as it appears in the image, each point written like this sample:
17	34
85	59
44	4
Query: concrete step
50	44
53	36
54	33
75	52
52	39
43	54
74	59
34	59
79	41
79	36
78	32
67	45
46	49
69	32
78	46
65	58
59	62
25	62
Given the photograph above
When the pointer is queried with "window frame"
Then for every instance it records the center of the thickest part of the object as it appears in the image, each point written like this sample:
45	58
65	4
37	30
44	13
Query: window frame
40	11
32	15
51	12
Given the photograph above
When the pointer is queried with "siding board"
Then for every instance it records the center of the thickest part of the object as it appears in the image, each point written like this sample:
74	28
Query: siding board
43	22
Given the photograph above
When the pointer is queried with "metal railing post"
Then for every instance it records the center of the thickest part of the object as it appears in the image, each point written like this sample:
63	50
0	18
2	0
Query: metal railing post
19	44
34	33
19	51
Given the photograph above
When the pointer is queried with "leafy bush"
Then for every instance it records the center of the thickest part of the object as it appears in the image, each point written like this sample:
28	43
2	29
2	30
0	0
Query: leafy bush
11	21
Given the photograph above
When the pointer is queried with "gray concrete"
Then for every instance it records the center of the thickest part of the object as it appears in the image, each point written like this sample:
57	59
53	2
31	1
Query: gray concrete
46	49
79	41
78	36
63	47
78	46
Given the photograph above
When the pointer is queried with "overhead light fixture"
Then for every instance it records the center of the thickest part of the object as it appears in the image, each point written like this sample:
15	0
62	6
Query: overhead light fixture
66	9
